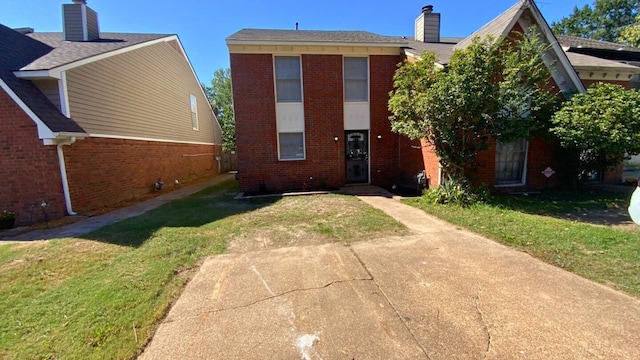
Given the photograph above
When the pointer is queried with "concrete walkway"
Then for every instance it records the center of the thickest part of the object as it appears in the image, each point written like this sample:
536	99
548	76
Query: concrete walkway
441	293
93	223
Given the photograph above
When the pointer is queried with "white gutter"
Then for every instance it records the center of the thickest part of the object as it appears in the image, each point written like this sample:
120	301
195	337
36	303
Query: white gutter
63	175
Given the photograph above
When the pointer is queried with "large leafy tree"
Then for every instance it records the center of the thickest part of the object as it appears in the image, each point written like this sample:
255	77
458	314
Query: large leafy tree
605	20
631	34
602	126
492	90
221	99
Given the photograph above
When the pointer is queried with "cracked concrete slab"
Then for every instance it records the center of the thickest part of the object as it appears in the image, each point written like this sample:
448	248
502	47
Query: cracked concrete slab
440	293
469	297
306	302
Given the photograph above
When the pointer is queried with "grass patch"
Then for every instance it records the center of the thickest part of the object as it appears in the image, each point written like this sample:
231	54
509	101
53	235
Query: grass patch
102	295
605	255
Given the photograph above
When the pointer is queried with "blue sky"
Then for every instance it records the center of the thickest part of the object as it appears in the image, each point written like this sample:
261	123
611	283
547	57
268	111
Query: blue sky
203	25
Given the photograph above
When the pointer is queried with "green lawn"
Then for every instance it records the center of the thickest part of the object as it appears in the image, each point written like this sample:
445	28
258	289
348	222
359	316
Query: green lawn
102	295
534	225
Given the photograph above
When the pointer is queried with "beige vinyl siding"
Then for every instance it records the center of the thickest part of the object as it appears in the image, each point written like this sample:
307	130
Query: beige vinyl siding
144	93
50	89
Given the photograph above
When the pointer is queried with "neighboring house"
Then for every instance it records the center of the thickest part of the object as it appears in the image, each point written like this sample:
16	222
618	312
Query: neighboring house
89	119
311	106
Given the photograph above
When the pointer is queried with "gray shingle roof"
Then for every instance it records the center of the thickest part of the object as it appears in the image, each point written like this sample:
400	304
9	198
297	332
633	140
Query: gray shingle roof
586	61
65	52
16	51
312	36
578	42
442	50
497	27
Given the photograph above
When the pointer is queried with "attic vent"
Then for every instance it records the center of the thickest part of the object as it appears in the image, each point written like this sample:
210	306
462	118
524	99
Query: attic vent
80	22
428	26
24	30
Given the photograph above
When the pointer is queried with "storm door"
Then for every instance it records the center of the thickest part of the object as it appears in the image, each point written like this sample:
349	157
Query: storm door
357	153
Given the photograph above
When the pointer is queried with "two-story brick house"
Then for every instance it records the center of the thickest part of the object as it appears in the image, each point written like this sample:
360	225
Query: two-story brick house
311	106
90	118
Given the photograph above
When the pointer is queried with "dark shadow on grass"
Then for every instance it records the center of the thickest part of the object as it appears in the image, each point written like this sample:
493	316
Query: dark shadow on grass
589	206
205	207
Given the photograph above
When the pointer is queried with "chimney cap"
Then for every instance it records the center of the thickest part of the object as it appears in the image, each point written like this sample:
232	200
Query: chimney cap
82	2
427	9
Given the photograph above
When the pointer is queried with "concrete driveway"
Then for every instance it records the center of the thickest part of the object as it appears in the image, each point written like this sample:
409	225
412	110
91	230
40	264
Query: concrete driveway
440	293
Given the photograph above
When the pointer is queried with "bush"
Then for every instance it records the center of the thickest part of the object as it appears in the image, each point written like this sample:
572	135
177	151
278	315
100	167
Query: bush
457	193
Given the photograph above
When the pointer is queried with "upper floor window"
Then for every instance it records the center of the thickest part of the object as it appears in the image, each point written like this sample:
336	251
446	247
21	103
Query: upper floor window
194	112
356	79
288	79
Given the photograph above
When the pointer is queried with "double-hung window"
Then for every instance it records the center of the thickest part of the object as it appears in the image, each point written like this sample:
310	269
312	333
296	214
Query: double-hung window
288	79
356	79
511	162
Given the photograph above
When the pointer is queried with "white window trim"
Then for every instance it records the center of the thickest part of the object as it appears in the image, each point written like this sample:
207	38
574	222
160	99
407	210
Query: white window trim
301	103
304	145
524	171
275	78
344	95
193	109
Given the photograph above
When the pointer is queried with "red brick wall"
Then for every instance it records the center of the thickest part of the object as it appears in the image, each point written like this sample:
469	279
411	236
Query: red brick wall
103	172
254	110
29	170
410	160
100	171
541	154
254	104
384	152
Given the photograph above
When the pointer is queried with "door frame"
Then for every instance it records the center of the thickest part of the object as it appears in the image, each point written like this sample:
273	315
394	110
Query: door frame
367	138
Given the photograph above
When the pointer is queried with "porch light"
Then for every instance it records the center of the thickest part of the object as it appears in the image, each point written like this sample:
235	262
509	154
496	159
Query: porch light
335	138
379	136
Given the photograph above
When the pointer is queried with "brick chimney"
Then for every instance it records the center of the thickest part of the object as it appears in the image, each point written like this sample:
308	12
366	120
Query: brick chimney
80	22
428	26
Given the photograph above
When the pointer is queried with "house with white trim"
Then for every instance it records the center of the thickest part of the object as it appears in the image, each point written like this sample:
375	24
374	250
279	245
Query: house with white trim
311	106
89	119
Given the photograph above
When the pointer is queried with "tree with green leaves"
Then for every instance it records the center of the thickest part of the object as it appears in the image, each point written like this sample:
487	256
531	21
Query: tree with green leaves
221	99
605	20
601	126
491	91
631	34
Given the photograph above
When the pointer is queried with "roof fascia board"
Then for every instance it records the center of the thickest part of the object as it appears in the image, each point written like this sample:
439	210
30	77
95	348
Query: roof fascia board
36	74
564	60
317	43
43	130
55	72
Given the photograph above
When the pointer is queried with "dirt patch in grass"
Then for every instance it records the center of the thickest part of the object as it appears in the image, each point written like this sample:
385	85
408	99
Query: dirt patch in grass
312	220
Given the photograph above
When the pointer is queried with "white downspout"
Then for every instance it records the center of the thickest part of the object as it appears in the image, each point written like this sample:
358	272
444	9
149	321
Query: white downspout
63	175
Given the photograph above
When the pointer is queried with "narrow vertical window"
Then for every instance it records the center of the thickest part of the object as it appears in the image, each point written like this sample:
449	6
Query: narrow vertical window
194	112
511	162
356	79
288	79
